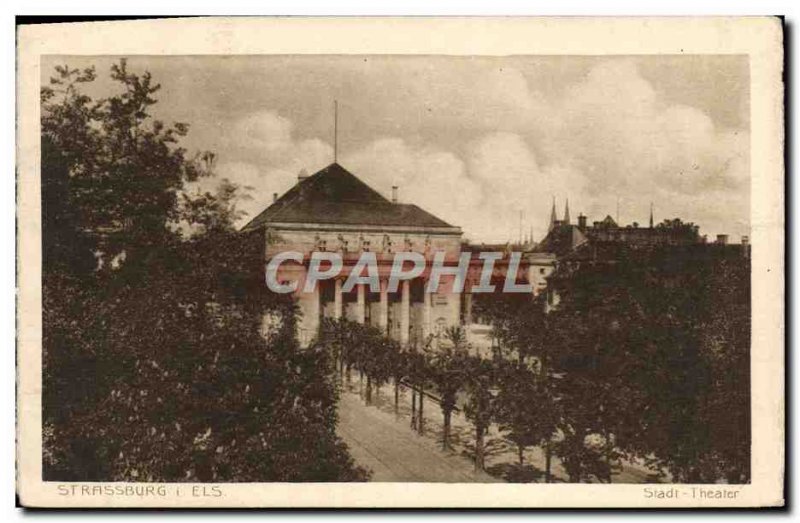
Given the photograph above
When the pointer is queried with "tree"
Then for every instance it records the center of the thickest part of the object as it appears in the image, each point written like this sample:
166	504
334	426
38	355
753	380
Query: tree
524	409
597	383
644	345
527	406
379	354
646	356
333	334
154	368
725	342
448	373
126	169
418	377
479	409
399	371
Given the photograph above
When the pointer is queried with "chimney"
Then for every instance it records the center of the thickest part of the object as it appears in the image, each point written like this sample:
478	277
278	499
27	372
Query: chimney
581	221
302	175
745	240
274	197
722	239
394	194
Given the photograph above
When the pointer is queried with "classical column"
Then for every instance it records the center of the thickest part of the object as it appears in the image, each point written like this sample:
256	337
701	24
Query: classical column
360	303
405	311
426	315
337	299
383	311
467	308
310	308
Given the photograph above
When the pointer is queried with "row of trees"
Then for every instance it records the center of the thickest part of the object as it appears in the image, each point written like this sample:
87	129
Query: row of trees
645	359
493	390
153	366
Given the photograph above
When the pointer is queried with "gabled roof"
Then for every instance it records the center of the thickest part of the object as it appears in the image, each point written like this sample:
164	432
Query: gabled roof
561	240
336	196
608	221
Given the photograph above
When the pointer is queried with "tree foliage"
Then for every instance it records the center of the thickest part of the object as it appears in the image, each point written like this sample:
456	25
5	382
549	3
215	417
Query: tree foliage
647	347
449	372
646	357
525	411
154	366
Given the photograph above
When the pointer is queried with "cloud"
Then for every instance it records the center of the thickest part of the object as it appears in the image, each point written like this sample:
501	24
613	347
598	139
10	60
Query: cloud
483	193
608	137
513	182
475	145
629	143
437	93
263	130
432	178
259	152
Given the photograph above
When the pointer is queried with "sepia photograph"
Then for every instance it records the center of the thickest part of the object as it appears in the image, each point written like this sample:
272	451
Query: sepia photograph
402	268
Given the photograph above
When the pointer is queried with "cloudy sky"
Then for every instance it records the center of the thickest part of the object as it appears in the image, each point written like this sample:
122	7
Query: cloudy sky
476	141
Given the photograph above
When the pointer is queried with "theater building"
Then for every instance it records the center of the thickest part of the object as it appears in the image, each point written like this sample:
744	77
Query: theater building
332	210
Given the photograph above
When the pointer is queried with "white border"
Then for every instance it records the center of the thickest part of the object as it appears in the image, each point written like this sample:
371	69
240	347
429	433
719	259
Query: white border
759	38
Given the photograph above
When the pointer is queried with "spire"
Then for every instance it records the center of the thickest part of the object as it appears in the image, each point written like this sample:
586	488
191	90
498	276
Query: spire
553	216
651	215
566	213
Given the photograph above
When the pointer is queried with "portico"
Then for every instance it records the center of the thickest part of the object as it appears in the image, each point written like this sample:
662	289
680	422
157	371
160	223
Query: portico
334	211
407	314
403	315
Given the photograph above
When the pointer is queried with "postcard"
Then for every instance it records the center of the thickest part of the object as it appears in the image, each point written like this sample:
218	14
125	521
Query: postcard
401	263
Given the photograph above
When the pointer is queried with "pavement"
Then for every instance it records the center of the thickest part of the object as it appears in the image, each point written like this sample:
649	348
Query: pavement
382	441
386	445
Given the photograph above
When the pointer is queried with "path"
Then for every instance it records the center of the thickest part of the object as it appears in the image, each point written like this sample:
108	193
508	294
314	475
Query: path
383	442
393	452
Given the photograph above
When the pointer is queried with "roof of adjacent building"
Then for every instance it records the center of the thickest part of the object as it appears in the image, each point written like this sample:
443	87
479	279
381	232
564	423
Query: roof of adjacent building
607	238
608	221
336	196
561	240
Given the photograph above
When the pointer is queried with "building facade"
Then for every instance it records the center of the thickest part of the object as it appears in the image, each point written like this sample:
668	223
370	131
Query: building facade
332	210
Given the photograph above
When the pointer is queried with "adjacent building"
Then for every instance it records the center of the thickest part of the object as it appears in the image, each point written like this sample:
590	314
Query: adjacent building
569	245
